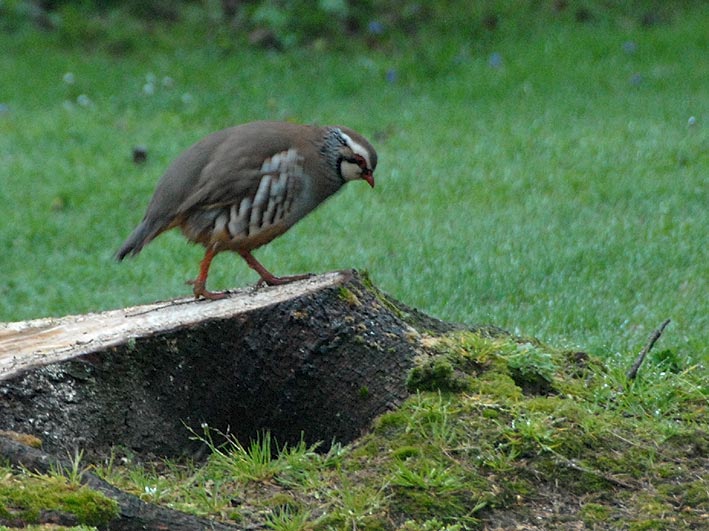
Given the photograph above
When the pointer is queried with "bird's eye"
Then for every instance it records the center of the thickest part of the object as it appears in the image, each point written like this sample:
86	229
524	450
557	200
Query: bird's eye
360	161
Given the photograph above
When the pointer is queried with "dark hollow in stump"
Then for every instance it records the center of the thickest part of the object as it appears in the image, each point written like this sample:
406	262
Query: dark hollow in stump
318	358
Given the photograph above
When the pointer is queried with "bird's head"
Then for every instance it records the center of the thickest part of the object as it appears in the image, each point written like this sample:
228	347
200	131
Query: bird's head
356	158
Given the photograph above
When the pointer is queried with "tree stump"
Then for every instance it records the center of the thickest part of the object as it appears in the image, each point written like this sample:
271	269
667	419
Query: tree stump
317	359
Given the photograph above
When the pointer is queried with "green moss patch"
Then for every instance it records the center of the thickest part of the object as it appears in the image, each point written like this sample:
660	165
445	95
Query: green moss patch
24	498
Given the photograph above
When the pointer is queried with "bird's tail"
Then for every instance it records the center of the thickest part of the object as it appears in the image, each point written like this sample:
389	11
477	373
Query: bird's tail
142	234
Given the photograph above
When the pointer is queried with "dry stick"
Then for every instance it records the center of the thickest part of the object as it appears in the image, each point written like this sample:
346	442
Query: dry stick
633	372
571	463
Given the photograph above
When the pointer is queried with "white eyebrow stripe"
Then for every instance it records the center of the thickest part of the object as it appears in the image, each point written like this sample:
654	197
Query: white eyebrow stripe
357	148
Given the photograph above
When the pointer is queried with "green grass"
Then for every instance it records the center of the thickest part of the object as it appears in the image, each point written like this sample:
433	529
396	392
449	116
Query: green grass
562	195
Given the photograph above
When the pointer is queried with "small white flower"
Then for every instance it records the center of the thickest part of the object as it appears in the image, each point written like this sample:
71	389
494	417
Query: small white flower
692	120
168	82
148	89
495	60
630	47
83	100
187	98
150	490
68	78
150	78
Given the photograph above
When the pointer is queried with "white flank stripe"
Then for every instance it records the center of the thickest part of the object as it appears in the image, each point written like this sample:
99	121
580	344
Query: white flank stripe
244	207
220	222
255	221
278	187
270	165
279	213
262	193
266	220
237	221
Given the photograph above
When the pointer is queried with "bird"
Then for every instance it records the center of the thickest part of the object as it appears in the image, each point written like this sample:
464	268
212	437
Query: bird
239	188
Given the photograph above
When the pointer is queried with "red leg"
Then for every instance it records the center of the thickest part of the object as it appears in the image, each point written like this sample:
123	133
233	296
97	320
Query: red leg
266	276
199	285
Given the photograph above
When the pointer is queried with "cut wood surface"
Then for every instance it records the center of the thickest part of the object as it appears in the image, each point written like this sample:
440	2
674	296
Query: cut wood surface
317	359
26	344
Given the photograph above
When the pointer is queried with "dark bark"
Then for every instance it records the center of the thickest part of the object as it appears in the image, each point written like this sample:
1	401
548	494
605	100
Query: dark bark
319	359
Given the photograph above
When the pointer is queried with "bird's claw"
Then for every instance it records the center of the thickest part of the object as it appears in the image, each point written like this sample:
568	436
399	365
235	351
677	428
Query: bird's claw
199	289
279	281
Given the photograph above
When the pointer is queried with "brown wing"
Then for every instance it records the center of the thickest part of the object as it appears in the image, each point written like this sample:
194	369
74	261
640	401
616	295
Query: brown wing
234	168
218	171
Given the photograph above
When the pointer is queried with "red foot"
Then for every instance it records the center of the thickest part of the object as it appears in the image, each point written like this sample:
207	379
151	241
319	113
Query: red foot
278	281
199	290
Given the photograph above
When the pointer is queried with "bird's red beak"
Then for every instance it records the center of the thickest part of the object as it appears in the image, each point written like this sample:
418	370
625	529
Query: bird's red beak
369	177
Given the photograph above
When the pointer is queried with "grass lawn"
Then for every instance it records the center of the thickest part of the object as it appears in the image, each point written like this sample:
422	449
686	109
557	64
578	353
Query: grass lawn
549	177
547	181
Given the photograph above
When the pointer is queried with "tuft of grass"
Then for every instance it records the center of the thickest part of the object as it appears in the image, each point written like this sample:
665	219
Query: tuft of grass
287	519
74	471
251	463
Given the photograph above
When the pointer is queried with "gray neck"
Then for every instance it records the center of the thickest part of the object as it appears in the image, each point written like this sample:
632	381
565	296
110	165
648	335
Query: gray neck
331	150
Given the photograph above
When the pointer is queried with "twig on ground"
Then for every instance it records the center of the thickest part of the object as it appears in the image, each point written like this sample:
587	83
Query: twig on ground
571	463
574	465
633	372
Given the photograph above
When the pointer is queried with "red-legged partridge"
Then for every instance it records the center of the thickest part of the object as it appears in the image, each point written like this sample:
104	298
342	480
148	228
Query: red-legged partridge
239	188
